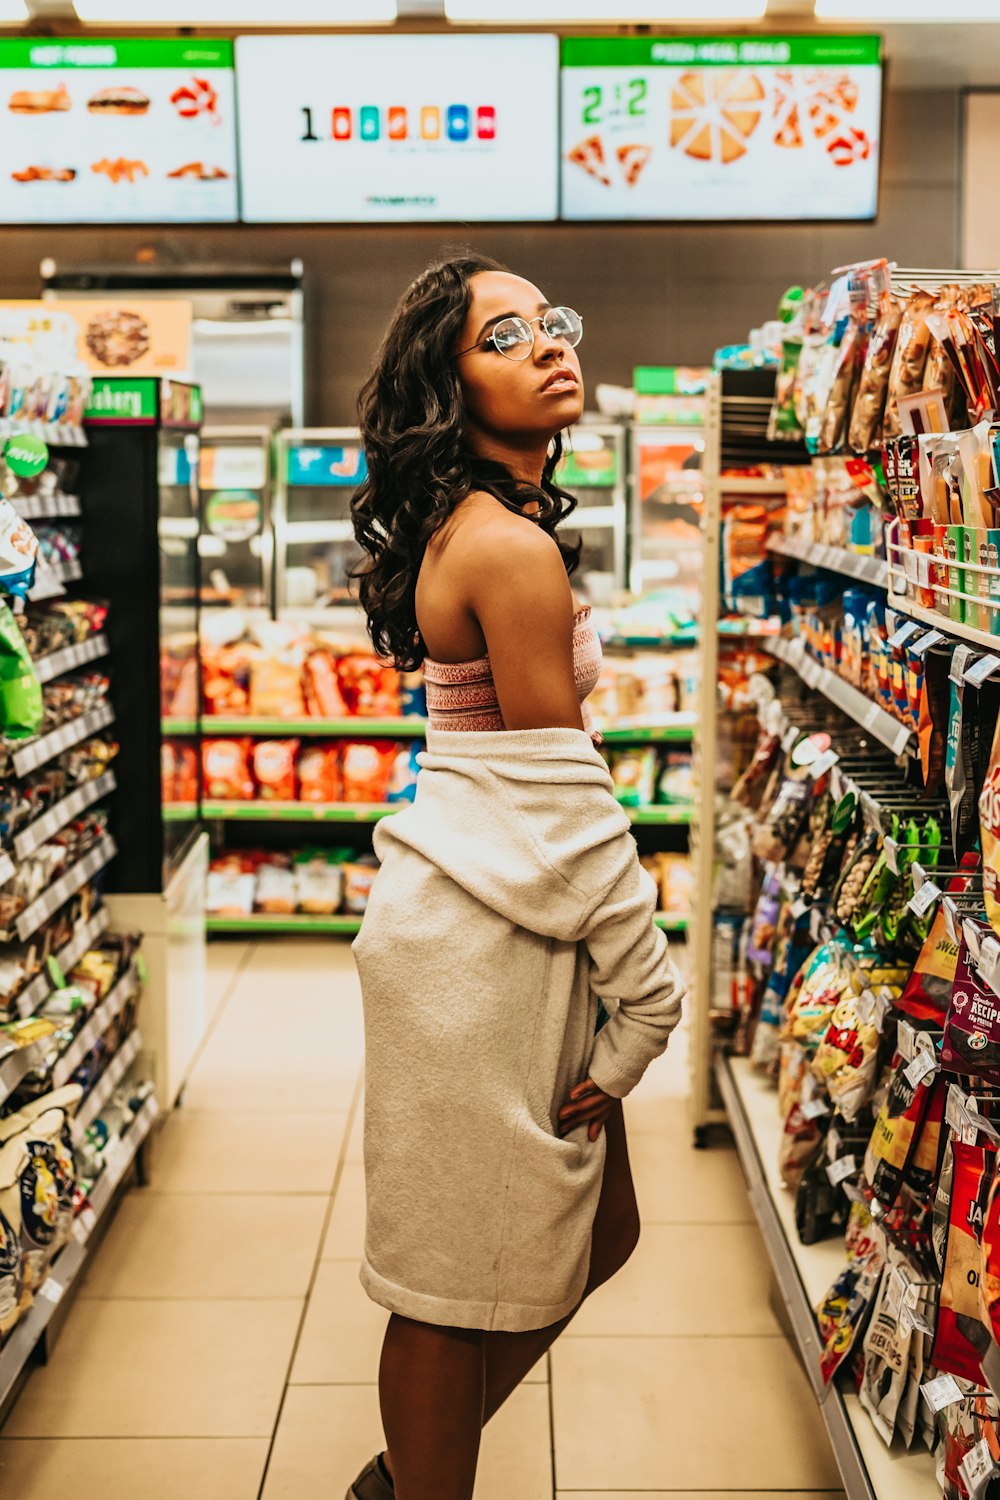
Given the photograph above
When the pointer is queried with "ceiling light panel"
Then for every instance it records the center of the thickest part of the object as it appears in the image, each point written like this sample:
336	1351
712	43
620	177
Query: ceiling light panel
601	12
875	11
237	13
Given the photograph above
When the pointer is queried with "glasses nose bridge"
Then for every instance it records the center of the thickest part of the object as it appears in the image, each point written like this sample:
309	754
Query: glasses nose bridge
543	340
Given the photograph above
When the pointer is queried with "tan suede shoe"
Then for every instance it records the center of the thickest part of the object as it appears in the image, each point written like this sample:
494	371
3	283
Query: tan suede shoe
371	1485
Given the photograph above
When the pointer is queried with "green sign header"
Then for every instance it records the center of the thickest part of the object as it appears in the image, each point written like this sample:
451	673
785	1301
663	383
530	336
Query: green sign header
719	51
116	398
131	52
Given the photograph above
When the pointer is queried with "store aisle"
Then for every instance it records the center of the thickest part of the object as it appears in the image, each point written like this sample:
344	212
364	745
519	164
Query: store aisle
222	1348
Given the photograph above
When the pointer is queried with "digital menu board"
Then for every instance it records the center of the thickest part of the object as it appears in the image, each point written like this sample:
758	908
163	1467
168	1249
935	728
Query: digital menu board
765	127
396	129
112	132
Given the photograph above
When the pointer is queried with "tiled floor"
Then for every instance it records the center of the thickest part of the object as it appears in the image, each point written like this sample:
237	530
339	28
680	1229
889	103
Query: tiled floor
222	1348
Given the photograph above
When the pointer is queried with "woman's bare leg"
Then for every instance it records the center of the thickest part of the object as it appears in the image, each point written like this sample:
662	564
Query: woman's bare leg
509	1356
434	1381
431	1383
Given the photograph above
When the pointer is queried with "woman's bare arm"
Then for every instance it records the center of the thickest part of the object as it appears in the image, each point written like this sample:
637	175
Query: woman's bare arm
517	588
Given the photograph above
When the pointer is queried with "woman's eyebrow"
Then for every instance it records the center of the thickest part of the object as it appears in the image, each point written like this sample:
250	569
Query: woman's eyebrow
542	307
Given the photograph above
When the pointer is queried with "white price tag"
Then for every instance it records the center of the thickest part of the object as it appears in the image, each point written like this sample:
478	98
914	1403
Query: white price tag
838	1171
921	903
798	908
823	763
942	1392
920	1323
838	786
922	1065
980	670
864	1005
853	1193
960	658
950	913
813	1109
903	634
924	644
790	736
977	1468
954	1109
833	1140
51	1291
891	850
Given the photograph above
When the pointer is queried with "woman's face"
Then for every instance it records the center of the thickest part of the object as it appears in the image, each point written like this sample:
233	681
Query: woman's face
532	398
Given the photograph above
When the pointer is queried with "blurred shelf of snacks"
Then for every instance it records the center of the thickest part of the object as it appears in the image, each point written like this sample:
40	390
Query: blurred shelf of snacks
76	1098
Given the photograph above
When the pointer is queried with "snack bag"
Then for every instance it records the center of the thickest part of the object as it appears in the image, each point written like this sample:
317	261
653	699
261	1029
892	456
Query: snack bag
403	780
799	1146
18	553
274	769
225	768
892	1140
909	359
48	1181
845	1059
367	768
972	1027
960	1337
849	360
324	699
21	706
887	1351
844	1311
319	774
13	1163
866	416
358	881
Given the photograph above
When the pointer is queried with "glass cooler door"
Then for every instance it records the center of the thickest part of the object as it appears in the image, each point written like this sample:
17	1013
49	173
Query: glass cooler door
318	471
593	471
178	526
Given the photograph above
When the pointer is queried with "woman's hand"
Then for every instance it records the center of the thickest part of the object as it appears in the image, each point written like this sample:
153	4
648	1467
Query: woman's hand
587	1105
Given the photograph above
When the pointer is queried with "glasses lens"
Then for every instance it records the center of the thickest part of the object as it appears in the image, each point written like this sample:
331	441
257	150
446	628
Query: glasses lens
514	338
563	323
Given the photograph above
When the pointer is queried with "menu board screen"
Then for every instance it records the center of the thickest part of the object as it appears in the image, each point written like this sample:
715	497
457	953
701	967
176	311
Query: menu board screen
396	129
113	132
720	128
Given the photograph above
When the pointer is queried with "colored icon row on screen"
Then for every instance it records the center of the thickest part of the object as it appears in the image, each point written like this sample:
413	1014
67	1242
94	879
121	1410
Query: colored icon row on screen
456	123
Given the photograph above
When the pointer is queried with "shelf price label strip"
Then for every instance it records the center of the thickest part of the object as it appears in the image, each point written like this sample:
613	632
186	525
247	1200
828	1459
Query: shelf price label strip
859	565
46	507
36	833
38	752
84	936
849	699
105	1086
62	889
108	1010
68	658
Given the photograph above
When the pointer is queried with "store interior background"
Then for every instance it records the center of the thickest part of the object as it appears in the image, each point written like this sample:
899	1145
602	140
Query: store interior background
651	293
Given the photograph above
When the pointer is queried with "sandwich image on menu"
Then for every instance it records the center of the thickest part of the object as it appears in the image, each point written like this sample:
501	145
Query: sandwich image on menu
147	136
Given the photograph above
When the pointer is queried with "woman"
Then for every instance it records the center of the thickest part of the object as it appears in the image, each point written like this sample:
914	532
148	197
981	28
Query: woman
510	896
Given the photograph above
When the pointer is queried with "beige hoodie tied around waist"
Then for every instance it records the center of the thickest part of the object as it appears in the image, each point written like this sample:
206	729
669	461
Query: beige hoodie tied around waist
510	899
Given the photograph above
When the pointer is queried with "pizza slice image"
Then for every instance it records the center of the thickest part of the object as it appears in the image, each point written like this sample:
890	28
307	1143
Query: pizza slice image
715	112
632	159
589	155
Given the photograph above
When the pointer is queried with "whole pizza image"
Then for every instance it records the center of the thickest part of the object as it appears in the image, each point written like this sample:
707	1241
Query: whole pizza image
780	127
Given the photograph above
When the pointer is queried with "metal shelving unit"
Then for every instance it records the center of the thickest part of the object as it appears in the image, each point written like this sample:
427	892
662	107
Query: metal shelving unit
262	922
850	700
870	570
869	1470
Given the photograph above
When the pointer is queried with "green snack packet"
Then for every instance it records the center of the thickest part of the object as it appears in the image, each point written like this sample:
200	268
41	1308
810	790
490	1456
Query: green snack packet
20	690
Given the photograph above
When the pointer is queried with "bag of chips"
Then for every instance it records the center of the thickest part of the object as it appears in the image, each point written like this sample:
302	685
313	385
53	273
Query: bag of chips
274	769
366	766
844	1311
906	375
892	1139
961	1337
319	774
225	766
887	1349
846	1058
866	416
989	834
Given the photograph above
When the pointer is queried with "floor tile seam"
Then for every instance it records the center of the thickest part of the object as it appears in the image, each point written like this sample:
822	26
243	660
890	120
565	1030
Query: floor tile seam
352	1110
316	1192
85	1296
222	1007
95	1437
646	1223
552	1416
777	1337
190	1112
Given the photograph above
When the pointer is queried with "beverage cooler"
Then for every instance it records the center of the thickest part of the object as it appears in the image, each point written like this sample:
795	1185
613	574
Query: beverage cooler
141	554
317	471
236	543
593	470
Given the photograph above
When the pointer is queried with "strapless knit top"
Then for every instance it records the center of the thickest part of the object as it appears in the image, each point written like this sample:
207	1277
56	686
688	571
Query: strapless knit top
461	695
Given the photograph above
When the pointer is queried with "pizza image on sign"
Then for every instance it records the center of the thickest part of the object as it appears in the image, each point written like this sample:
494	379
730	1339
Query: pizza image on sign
714	112
632	159
814	103
589	155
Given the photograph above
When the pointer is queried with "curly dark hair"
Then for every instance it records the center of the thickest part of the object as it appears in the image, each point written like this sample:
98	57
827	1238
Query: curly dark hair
419	468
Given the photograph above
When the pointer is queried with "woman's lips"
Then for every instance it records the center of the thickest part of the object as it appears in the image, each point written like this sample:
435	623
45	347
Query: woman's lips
562	382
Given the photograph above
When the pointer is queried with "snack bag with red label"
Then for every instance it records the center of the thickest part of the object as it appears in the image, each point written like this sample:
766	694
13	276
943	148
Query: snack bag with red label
367	769
274	768
226	770
319	774
961	1338
972	1027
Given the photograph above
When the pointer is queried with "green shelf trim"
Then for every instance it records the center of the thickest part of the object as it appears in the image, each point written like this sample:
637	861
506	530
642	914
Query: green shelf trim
670	922
359	729
651	734
265	922
180	812
299	812
660	815
179	726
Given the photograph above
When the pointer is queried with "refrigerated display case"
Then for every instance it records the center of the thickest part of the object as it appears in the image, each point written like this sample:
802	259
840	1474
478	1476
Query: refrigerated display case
317	471
667	498
236	543
593	470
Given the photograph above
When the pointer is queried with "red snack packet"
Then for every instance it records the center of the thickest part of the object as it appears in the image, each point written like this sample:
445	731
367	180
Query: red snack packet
960	1337
226	770
319	774
274	768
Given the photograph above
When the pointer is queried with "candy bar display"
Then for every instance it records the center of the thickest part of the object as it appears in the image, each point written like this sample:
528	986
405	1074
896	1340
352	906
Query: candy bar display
73	1113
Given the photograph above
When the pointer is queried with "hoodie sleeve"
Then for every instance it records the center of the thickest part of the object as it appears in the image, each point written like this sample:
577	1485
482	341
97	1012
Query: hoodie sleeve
630	963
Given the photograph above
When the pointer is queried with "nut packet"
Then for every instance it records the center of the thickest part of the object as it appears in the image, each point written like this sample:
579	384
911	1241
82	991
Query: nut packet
866	415
909	359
